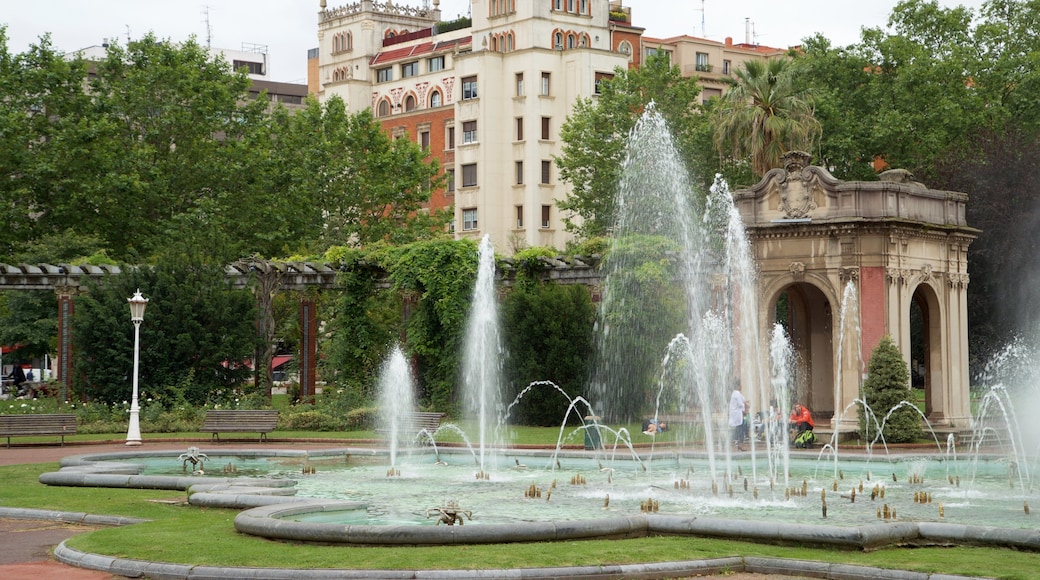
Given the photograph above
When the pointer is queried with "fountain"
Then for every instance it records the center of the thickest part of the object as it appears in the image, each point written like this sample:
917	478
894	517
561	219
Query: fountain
483	357
396	401
709	338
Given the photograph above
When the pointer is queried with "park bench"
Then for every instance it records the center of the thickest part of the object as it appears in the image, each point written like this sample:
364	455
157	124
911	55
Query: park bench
45	424
261	421
413	423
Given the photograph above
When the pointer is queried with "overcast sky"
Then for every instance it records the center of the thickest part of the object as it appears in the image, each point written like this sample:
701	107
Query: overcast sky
289	27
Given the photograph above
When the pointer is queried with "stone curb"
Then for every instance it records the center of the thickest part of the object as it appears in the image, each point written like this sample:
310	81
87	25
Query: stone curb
757	565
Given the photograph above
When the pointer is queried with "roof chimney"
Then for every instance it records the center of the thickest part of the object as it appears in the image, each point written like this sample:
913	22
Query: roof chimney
729	41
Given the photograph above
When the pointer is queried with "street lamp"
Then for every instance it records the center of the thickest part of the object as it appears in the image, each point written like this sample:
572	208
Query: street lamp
137	304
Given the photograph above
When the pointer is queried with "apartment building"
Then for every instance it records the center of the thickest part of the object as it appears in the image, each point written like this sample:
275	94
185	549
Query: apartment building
485	96
711	61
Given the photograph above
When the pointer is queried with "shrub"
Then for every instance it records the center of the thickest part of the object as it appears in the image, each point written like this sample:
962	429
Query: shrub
886	387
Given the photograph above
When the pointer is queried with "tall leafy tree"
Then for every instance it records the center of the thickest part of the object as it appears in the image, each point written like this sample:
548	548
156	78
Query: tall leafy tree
764	115
595	134
43	129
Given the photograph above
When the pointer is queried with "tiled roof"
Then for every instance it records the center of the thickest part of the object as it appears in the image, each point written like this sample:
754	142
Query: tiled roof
416	50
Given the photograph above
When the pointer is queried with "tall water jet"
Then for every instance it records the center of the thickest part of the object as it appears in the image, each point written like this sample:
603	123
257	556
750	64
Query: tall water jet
679	263
396	400
483	356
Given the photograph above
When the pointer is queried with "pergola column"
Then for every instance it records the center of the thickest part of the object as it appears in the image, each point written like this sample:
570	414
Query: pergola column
66	308
308	348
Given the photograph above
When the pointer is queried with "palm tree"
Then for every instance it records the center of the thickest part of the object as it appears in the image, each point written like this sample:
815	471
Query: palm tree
764	115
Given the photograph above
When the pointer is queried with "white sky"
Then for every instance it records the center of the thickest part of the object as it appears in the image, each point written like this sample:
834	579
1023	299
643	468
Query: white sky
289	27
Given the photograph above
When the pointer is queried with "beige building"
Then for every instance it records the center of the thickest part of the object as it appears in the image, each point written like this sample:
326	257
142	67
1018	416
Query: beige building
712	62
486	97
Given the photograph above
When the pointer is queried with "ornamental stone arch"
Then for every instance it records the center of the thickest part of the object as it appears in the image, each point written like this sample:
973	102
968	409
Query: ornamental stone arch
843	264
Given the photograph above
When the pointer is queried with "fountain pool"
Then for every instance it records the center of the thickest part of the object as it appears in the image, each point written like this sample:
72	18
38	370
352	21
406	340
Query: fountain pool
542	486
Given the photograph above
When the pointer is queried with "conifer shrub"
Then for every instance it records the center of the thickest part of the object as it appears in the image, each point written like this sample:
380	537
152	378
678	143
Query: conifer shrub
887	385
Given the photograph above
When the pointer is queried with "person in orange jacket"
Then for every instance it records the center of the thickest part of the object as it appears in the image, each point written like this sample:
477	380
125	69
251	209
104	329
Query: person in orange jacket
801	420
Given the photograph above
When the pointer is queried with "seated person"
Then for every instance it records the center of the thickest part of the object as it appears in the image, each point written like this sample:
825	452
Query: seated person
801	420
654	426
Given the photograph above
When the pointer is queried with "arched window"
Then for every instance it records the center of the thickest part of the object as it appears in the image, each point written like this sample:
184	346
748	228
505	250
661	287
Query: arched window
494	43
384	108
335	43
389	34
409	103
349	45
509	42
572	41
435	99
625	48
584	40
558	41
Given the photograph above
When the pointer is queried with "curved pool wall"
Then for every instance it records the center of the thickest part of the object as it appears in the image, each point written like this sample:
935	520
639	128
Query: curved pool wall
270	506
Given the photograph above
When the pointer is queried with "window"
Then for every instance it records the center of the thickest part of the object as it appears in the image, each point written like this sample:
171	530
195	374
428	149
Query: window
545	83
469	218
469	132
546	171
519	128
572	41
546	209
708	94
469	175
384	75
451	138
384	108
519	84
570	5
469	88
519	172
409	69
519	217
557	4
725	67
409	103
253	68
424	140
450	180
600	79
435	64
702	62
435	99
558	41
583	6
545	128
625	48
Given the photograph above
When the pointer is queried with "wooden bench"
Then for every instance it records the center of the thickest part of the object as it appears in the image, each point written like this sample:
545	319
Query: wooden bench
261	421
28	425
413	423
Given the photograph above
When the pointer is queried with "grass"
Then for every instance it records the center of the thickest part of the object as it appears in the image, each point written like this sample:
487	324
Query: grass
192	535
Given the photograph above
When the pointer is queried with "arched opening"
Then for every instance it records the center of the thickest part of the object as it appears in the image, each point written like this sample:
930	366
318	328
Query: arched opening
384	108
409	103
435	99
805	313
926	351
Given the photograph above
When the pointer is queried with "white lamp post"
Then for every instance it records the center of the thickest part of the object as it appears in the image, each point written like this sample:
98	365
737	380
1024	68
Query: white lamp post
137	304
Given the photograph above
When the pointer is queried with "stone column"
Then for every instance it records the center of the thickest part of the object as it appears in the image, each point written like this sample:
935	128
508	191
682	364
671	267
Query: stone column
308	348
66	308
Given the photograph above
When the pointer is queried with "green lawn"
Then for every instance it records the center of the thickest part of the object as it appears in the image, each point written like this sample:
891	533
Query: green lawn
191	535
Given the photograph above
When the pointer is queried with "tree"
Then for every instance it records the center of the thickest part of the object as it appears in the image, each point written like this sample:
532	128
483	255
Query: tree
360	185
885	390
548	333
764	115
196	334
595	135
